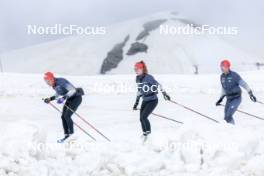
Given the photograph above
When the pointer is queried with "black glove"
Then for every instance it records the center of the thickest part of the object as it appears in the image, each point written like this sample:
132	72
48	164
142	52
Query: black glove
47	100
136	103
252	97
135	106
166	96
218	103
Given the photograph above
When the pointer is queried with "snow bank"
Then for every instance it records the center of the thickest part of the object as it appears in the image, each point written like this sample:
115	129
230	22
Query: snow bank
189	151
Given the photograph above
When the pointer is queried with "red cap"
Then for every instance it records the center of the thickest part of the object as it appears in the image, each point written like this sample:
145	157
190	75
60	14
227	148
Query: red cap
139	65
226	63
48	76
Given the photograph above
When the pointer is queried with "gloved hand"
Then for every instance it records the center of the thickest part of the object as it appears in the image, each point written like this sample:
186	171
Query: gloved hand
252	97
166	96
60	100
136	103
47	100
218	103
135	106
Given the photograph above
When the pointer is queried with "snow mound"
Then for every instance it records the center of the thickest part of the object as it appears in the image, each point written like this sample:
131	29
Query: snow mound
188	151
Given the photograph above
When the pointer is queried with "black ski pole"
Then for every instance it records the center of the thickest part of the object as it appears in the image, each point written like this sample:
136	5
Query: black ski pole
161	116
192	110
52	105
246	113
85	121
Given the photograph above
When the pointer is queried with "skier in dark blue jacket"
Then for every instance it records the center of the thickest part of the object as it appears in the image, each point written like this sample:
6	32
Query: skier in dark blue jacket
65	92
231	83
147	90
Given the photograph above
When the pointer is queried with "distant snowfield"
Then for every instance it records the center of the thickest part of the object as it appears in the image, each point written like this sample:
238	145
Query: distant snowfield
199	147
167	54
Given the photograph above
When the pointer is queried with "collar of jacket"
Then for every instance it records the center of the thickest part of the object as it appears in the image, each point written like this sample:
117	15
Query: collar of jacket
229	73
141	77
55	81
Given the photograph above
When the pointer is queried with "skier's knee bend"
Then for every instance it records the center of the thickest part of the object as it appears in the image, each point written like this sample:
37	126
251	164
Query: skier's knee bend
143	117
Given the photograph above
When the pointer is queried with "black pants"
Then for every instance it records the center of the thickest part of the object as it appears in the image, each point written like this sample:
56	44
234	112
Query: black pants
73	103
146	109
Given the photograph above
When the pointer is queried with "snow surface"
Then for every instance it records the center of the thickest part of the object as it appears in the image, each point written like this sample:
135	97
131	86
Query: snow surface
30	128
84	55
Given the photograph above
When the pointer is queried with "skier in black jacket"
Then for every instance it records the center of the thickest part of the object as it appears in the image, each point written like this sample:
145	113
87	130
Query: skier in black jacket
148	90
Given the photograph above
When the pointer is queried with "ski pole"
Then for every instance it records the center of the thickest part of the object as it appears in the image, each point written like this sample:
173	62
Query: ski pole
52	105
246	113
260	102
161	116
85	121
192	110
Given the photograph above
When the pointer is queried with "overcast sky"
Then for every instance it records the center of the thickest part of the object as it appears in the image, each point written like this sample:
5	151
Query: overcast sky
15	15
